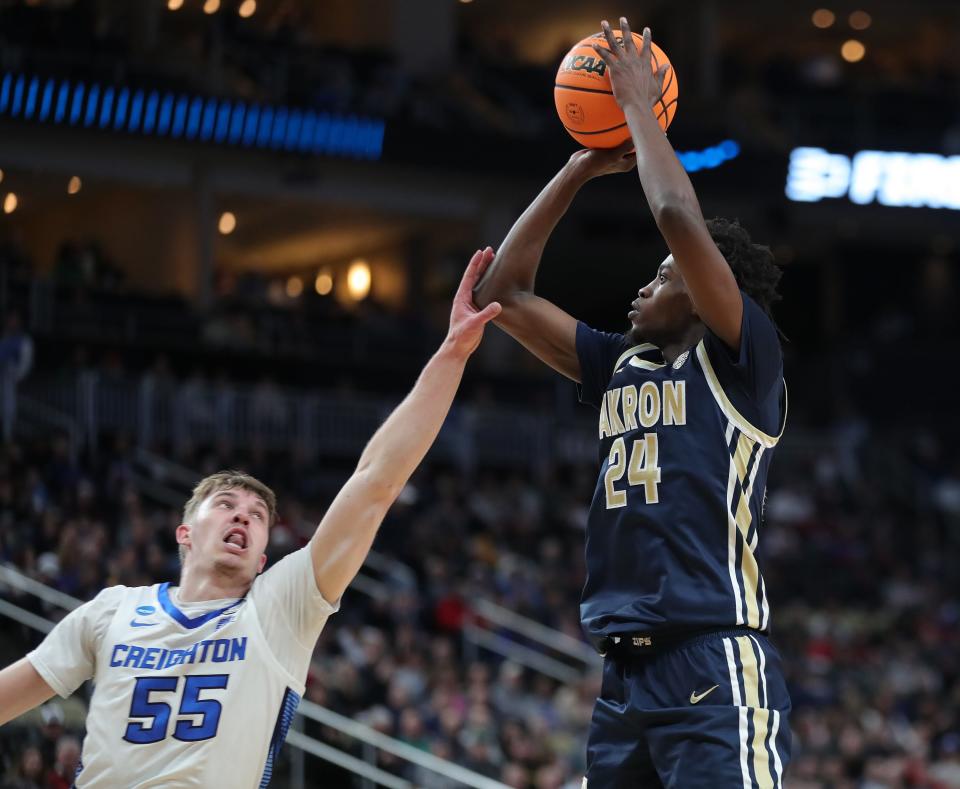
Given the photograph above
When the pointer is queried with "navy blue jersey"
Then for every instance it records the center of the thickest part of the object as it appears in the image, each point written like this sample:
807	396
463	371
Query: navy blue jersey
684	452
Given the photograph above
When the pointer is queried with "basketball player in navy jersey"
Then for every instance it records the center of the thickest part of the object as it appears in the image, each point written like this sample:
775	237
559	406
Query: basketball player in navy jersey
692	403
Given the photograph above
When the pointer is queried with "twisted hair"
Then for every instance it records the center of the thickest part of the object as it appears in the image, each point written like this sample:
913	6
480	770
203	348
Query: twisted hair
753	265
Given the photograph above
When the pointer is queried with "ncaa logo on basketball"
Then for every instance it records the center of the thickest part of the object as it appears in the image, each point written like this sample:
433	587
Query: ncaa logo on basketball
574	112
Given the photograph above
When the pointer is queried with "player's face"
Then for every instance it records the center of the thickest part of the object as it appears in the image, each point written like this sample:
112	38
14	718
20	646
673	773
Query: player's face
662	309
230	532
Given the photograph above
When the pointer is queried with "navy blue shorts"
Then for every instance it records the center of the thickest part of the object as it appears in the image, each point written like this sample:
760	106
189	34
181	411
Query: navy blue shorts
710	712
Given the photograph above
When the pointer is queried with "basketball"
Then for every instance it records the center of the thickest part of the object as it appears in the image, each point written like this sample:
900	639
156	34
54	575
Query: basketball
584	98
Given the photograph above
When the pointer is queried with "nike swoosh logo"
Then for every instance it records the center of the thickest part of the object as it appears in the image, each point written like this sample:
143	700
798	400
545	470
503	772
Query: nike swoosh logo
696	698
618	371
135	623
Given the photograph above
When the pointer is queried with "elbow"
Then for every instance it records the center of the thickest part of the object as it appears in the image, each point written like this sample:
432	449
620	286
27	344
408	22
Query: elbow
378	485
675	213
490	291
495	286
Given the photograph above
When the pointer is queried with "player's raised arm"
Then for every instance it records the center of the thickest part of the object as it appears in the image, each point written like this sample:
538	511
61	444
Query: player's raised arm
21	689
672	200
346	532
542	327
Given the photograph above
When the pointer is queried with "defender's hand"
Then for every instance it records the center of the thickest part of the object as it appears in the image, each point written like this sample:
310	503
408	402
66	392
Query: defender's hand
593	162
466	321
631	72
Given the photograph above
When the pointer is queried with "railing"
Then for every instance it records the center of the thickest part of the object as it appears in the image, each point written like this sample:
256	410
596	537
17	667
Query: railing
12	577
185	414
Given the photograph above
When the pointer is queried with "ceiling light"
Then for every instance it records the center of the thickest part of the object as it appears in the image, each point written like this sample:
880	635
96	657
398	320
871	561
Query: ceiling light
823	18
852	51
247	8
227	223
860	20
10	203
74	185
358	280
324	283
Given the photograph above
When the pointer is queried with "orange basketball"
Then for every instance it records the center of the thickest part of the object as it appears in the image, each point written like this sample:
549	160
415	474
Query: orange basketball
585	101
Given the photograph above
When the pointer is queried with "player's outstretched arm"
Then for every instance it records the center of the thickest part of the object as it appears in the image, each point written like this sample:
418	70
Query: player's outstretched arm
346	532
21	689
672	200
540	326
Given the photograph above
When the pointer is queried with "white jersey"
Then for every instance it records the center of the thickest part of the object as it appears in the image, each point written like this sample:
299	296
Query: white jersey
188	694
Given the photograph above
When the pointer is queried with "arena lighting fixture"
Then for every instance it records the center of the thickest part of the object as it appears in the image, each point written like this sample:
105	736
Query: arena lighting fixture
247	8
211	6
1	176
823	18
227	223
709	158
852	51
359	280
860	20
889	178
10	203
324	283
74	185
294	287
190	117
174	5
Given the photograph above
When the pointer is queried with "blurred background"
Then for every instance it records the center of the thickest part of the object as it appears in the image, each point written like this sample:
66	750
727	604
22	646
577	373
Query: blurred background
230	233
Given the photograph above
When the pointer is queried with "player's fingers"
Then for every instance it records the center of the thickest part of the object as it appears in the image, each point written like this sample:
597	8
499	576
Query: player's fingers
605	54
628	43
645	48
661	74
488	313
470	276
486	258
611	39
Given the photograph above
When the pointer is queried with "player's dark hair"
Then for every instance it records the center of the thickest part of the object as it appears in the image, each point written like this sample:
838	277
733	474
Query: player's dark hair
753	265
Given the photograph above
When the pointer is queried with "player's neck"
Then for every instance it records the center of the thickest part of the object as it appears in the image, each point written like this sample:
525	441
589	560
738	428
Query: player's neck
673	347
197	586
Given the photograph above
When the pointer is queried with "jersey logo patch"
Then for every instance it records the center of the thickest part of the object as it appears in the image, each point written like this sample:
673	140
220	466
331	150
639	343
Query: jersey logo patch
678	362
696	698
144	610
223	621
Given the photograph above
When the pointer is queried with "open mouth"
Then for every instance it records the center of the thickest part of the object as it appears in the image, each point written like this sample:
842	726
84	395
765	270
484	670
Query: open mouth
235	540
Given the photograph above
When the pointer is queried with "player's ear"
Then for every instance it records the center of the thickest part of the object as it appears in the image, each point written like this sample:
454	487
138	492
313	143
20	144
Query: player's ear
183	534
261	563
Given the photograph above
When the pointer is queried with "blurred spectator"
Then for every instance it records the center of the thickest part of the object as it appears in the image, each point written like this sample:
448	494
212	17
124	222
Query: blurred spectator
16	360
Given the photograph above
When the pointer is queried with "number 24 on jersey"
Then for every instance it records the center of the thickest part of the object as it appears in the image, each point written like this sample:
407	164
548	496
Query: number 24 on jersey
641	468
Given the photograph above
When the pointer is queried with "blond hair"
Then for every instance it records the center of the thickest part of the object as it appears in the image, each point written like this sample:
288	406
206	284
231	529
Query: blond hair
227	480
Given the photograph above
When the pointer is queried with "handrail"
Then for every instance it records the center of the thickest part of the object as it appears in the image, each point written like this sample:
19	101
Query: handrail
407	752
522	654
25	617
172	470
345	760
535	631
14	577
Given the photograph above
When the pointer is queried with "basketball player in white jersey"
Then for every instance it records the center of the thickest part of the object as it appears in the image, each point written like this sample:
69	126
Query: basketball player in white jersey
196	685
